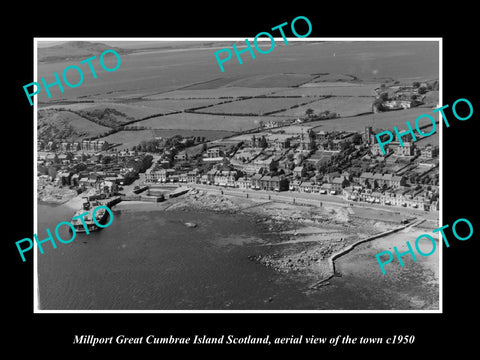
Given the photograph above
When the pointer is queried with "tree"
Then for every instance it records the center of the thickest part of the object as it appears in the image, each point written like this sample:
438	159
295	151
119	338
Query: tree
79	167
263	142
52	172
422	90
106	159
151	147
416	84
129	178
357	139
309	112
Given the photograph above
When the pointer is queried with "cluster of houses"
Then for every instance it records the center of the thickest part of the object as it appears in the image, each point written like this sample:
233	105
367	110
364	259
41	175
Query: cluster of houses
341	163
82	171
280	161
399	97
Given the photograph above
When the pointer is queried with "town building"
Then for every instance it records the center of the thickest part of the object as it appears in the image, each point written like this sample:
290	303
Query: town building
429	152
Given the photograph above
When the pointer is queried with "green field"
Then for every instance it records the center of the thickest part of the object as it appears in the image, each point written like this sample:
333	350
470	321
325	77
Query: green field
273	80
336	89
154	83
139	109
340	89
221	92
333	77
343	106
256	106
190	121
167	106
386	120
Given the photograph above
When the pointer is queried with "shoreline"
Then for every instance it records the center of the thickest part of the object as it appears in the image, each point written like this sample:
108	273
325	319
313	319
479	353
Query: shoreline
306	241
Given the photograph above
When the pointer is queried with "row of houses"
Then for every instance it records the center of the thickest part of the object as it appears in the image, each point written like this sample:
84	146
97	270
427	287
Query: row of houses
85	145
423	200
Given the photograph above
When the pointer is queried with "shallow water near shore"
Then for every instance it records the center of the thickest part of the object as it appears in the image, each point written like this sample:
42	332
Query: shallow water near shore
153	261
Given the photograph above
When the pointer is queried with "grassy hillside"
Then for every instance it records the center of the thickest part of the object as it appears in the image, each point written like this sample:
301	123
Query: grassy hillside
65	125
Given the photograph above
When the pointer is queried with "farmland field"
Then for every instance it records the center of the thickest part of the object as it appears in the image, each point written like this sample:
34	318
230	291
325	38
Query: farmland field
221	92
273	80
135	110
159	82
333	77
343	106
340	90
386	120
257	106
204	122
207	85
167	106
335	89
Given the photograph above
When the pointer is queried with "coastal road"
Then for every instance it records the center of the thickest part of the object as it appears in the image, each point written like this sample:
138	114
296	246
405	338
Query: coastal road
313	199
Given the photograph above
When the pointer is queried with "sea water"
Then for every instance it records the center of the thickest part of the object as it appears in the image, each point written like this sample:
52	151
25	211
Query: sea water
153	261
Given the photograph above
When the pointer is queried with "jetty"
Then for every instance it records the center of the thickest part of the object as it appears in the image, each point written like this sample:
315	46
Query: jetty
338	254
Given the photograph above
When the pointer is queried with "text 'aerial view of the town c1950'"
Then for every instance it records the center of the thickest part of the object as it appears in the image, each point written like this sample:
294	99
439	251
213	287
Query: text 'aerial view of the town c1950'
262	187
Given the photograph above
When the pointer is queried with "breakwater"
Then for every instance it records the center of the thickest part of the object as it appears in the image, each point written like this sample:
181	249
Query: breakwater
336	255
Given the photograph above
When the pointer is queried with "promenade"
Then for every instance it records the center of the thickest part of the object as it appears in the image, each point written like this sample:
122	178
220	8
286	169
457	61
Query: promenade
314	199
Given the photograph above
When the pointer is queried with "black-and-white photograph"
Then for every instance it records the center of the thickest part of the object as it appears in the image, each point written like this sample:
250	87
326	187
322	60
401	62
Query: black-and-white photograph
270	174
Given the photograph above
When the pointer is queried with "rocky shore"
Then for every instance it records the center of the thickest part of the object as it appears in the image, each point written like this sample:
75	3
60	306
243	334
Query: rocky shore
55	194
302	238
